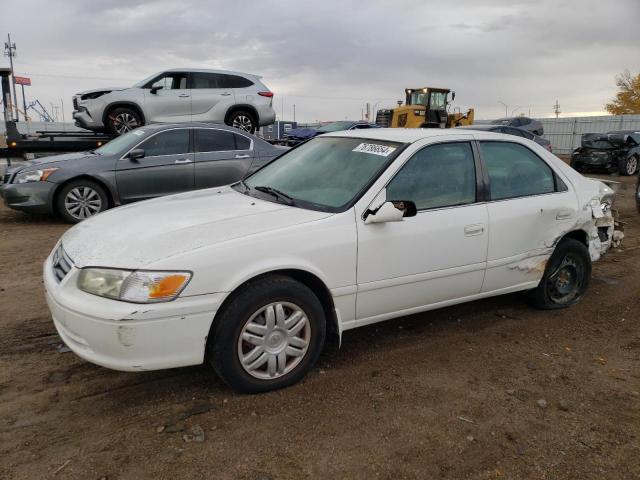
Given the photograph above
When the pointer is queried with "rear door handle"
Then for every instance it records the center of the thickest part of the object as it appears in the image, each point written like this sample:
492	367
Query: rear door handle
184	95
564	214
183	160
242	156
472	230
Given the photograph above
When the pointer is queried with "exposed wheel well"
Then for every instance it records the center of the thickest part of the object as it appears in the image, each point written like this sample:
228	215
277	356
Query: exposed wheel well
106	189
248	108
579	235
113	106
316	285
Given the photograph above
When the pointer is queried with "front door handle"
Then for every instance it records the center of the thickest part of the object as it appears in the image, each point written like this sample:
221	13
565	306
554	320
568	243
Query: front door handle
472	230
183	160
242	156
225	94
564	214
184	95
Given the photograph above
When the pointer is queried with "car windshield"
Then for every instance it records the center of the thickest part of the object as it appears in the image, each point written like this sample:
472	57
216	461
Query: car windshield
335	127
121	144
326	173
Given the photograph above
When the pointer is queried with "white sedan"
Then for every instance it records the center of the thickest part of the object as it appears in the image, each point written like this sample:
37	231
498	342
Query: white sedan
349	229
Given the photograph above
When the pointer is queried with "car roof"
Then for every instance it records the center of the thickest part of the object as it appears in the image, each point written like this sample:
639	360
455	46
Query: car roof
482	126
407	135
166	126
207	70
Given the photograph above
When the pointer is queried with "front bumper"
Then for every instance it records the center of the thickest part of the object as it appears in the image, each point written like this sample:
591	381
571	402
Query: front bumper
31	197
85	120
127	336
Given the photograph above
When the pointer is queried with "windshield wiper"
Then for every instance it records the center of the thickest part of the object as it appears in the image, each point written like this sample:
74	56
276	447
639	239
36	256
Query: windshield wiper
276	193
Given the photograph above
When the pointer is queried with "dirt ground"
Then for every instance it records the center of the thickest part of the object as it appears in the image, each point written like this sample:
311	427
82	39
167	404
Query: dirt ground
487	390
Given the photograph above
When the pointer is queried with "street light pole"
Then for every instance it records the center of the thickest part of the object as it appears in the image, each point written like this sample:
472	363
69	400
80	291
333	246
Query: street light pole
506	107
515	110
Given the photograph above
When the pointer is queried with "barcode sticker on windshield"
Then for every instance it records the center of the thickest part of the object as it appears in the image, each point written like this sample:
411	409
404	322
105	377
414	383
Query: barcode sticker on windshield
375	149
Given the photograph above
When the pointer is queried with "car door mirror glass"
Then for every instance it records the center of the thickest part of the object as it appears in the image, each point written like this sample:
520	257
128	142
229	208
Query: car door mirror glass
392	212
136	154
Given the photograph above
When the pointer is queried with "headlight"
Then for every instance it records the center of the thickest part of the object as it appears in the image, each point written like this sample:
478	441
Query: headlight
133	286
34	175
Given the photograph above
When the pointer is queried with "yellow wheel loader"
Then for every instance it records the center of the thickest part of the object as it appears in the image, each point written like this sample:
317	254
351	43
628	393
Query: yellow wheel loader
425	107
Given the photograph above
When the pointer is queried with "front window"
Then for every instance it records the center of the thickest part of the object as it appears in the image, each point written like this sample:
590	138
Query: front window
170	142
419	97
121	144
325	173
438	101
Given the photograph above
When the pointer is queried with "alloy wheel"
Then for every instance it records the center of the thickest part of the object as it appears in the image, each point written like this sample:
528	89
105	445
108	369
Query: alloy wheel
632	165
82	202
125	122
274	340
243	122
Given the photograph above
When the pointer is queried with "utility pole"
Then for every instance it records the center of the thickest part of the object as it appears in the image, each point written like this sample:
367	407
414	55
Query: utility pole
294	112
556	109
10	51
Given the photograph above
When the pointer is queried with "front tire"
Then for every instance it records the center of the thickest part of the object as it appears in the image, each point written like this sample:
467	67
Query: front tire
269	335
243	120
81	199
629	165
566	277
122	120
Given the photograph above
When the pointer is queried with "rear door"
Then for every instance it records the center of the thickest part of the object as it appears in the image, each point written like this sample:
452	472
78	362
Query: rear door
207	91
166	168
172	102
221	157
529	207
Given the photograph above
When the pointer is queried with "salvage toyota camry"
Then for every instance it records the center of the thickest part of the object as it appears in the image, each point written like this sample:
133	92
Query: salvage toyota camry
348	229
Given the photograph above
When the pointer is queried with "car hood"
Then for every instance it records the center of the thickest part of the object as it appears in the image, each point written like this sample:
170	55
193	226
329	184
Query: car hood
105	89
138	235
49	161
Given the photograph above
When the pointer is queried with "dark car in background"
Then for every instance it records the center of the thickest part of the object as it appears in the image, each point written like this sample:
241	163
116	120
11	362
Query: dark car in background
615	151
298	135
526	123
145	163
518	132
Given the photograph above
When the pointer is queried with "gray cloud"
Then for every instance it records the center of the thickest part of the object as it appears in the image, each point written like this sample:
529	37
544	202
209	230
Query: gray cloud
329	58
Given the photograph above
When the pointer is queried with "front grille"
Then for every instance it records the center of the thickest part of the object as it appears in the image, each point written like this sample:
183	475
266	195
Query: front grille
6	178
61	264
75	103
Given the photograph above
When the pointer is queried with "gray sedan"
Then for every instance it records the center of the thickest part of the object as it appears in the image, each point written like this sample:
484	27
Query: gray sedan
144	163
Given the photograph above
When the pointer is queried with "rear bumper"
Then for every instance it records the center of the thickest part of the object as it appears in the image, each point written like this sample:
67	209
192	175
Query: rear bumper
32	197
586	160
127	336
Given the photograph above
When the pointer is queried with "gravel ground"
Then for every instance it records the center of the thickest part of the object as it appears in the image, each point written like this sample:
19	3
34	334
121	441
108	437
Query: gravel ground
490	389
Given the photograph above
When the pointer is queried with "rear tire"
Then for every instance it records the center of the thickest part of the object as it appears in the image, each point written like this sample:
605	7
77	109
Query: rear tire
629	165
243	120
81	199
121	120
268	336
566	277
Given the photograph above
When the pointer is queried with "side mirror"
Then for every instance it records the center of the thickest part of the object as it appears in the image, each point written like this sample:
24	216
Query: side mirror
155	89
392	212
136	154
453	96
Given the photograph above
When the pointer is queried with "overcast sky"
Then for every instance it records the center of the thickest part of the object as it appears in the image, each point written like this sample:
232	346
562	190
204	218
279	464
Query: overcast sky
331	57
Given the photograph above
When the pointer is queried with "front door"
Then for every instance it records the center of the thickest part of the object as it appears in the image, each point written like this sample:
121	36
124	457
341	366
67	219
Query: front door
166	168
170	100
437	255
222	157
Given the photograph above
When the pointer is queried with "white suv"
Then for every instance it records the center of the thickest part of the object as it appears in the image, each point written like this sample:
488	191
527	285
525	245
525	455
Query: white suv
179	95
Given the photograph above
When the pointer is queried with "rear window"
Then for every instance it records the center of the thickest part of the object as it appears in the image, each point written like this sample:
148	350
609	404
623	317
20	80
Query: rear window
218	80
234	81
